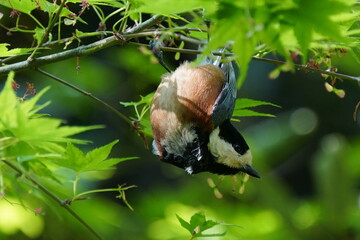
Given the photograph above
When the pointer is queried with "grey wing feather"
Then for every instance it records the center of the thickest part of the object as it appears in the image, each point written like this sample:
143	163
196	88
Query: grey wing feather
225	103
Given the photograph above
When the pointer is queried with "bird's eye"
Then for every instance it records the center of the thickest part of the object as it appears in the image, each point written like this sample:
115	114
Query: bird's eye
238	149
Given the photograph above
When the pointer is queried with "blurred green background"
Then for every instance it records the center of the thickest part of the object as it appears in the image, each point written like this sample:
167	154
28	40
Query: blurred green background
308	156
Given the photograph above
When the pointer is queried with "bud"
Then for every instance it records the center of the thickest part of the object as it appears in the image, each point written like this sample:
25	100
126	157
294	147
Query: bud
328	87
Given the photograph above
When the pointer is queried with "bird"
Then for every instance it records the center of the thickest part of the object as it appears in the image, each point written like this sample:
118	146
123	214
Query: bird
190	119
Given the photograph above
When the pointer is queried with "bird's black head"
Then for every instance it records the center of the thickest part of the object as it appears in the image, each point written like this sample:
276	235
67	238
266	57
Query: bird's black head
224	152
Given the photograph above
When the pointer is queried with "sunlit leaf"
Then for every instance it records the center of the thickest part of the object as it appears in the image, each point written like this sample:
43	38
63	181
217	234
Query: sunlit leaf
167	7
247	103
4	52
94	160
184	224
242	105
143	100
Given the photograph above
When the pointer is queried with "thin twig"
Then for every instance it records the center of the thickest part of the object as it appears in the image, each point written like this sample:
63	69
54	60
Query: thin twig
79	51
48	29
268	60
156	19
90	95
356	111
133	33
76	52
310	69
53	196
128	37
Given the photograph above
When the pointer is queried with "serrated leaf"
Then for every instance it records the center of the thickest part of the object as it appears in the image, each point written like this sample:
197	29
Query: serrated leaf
247	103
94	160
250	113
110	163
146	126
303	34
198	219
8	101
97	158
185	224
143	100
73	158
4	52
242	104
226	30
41	133
100	154
163	7
208	224
27	6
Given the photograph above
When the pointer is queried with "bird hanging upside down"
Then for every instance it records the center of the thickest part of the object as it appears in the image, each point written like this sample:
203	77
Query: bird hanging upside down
190	119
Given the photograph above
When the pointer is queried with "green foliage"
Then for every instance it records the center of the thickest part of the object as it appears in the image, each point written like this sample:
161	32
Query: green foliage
141	109
282	27
198	224
29	131
4	52
242	105
95	160
303	29
37	150
40	147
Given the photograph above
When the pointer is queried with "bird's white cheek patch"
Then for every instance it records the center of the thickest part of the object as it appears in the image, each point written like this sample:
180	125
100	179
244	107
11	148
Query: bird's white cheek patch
236	161
225	153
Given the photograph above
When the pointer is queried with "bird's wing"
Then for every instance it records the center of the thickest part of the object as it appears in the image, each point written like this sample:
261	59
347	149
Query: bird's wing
225	102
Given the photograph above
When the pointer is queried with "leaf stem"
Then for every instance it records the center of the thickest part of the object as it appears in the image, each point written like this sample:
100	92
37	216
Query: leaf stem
48	29
52	196
94	191
75	184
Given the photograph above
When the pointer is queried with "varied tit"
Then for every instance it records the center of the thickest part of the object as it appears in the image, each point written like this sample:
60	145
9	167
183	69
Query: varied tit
190	119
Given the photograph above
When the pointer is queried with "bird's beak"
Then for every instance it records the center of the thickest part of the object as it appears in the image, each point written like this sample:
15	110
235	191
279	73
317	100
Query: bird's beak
250	170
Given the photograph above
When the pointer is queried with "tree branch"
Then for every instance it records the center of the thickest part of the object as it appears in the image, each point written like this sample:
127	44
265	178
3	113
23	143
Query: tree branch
310	69
134	33
77	52
52	196
268	60
80	51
